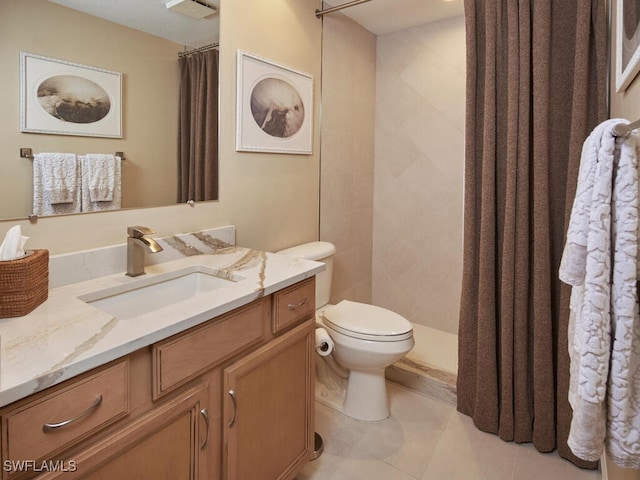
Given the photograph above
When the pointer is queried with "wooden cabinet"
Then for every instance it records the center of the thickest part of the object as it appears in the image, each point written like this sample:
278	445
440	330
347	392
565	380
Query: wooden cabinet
268	410
50	423
184	356
165	443
164	412
293	304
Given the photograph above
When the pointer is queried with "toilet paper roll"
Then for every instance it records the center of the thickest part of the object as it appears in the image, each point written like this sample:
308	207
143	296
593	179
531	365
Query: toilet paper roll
324	344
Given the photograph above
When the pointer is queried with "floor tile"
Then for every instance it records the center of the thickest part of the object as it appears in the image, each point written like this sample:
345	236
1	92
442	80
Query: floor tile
464	452
425	439
408	438
325	466
362	466
533	465
339	426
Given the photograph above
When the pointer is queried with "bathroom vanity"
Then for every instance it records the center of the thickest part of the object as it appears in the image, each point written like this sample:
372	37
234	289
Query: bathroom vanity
218	386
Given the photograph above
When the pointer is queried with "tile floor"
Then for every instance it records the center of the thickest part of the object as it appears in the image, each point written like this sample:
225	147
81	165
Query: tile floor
425	439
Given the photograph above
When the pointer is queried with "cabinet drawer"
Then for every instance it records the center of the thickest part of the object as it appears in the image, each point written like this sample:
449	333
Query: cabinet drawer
165	443
183	357
293	304
68	415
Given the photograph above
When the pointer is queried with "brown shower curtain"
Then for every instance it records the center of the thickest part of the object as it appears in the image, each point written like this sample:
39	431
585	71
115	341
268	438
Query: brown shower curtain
536	74
198	127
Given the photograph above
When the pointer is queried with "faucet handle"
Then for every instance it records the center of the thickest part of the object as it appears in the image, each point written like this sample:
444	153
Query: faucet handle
139	231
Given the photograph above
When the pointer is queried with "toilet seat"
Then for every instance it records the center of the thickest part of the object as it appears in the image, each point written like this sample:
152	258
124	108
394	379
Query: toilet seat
367	322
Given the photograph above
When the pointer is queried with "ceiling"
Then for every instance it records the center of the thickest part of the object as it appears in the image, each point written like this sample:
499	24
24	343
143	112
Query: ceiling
152	16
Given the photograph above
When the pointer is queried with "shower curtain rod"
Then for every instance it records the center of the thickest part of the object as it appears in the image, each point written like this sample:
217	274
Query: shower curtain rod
320	13
204	48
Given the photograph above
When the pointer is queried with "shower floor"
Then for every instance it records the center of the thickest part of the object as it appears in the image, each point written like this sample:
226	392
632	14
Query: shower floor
431	366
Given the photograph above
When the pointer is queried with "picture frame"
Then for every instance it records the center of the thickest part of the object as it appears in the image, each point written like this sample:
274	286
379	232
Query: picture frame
59	97
274	107
627	43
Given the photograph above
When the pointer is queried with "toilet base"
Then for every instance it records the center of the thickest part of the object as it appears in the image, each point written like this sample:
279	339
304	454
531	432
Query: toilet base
366	397
363	396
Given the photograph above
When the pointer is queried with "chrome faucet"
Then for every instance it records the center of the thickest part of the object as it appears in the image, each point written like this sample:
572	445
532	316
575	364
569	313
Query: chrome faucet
137	244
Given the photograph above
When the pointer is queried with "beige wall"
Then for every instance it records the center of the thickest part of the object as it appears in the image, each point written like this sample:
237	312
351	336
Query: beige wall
348	112
419	157
271	198
625	104
150	99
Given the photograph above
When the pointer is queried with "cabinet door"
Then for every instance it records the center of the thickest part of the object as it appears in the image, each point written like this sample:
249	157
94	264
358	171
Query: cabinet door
168	443
268	409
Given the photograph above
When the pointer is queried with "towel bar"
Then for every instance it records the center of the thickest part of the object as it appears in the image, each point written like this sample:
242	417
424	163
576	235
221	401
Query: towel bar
28	153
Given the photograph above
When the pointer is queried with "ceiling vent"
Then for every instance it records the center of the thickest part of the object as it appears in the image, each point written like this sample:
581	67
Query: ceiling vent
192	8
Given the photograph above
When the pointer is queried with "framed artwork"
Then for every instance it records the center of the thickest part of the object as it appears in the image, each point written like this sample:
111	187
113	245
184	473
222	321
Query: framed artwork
64	98
627	43
274	107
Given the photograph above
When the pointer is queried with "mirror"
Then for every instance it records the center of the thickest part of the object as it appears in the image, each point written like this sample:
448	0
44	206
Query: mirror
140	39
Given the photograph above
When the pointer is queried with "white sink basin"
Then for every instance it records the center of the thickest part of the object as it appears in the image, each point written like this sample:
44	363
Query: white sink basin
153	293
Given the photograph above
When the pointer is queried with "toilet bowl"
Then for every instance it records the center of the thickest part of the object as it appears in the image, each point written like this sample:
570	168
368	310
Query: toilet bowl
366	338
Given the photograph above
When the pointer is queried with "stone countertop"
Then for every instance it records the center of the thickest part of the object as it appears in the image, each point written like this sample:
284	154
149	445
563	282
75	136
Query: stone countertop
65	336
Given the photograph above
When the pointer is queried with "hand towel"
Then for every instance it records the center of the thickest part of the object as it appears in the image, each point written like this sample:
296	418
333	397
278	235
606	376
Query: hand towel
56	184
58	171
101	176
89	205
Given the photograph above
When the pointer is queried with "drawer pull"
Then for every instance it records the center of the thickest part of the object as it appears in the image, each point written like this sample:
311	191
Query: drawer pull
48	427
205	415
291	306
232	394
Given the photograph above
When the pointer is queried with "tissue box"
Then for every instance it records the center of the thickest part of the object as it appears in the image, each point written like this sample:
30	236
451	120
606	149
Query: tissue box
24	283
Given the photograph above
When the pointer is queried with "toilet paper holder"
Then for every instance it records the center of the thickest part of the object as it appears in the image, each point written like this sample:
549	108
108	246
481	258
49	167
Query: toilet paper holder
324	344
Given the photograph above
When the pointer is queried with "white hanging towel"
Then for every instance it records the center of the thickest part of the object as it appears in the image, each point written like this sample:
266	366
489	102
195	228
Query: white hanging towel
101	176
599	262
56	184
623	412
101	182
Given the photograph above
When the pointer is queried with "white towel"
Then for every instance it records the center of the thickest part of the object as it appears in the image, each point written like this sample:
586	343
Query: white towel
599	261
56	184
58	174
101	176
87	170
623	412
585	261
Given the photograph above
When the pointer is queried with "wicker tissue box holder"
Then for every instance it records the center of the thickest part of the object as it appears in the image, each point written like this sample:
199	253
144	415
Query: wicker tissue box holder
24	283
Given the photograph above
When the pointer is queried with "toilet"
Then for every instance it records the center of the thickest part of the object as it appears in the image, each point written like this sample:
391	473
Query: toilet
366	339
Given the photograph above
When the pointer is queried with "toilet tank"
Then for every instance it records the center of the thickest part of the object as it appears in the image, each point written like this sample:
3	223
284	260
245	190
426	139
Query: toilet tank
320	252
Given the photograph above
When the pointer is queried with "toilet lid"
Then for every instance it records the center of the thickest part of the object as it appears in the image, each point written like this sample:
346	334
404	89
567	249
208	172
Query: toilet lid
361	320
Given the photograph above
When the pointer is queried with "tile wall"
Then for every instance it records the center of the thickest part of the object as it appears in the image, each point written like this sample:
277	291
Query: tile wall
394	104
347	143
418	188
